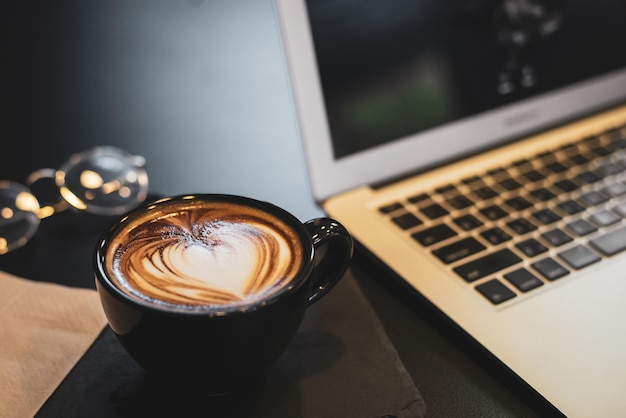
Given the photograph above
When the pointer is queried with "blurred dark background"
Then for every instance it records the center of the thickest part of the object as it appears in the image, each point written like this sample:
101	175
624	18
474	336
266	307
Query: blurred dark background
199	88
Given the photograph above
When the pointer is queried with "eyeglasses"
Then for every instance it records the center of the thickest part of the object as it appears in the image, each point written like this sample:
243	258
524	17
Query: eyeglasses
102	180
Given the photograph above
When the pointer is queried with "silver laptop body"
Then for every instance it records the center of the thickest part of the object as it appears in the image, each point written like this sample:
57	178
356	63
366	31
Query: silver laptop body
476	150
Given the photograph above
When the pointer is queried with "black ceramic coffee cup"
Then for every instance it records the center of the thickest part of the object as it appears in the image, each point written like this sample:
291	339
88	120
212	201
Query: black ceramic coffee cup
211	289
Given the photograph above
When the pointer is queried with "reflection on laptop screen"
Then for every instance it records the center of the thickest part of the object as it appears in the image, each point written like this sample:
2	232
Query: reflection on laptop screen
404	66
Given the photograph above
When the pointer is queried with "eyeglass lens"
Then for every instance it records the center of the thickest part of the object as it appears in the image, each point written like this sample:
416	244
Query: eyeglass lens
102	180
19	215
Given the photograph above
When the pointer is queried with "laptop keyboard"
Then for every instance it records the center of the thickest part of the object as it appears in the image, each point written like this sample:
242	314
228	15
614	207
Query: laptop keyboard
514	229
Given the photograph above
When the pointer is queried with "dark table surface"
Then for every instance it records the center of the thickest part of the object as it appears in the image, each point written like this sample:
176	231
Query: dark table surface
199	89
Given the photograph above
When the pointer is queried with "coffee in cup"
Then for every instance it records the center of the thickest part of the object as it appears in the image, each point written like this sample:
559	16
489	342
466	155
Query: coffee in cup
205	256
214	287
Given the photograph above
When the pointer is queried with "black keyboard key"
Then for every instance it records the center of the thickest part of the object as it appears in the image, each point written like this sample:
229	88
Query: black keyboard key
579	159
518	203
609	169
406	220
498	171
392	207
593	198
619	143
460	202
546	216
495	291
579	256
434	234
467	222
521	226
556	167
534	175
485	193
589	177
531	247
570	207
542	194
611	243
470	180
458	250
434	211
566	185
418	198
620	209
489	264
604	218
510	184
600	151
493	212
615	189
445	189
495	236
523	280
550	269
556	237
521	163
581	227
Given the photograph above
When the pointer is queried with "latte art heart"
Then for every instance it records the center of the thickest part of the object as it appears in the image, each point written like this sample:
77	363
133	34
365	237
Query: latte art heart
212	255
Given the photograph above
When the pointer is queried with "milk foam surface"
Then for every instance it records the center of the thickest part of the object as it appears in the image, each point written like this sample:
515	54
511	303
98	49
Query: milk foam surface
195	255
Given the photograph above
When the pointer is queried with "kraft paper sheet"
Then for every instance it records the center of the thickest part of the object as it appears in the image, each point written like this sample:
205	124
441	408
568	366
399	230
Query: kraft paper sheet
45	328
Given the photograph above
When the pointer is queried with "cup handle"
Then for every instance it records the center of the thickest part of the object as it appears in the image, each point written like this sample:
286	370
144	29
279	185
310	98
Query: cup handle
333	247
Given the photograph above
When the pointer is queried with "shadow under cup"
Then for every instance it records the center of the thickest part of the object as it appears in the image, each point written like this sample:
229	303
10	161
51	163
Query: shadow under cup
159	272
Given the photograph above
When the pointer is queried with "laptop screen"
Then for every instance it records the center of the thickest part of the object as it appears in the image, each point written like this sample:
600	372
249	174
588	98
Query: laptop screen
391	69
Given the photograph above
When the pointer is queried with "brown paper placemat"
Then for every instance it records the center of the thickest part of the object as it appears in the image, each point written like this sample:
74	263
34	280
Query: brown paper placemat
44	330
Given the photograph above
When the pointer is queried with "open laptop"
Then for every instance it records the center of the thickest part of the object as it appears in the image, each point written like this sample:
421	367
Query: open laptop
478	149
